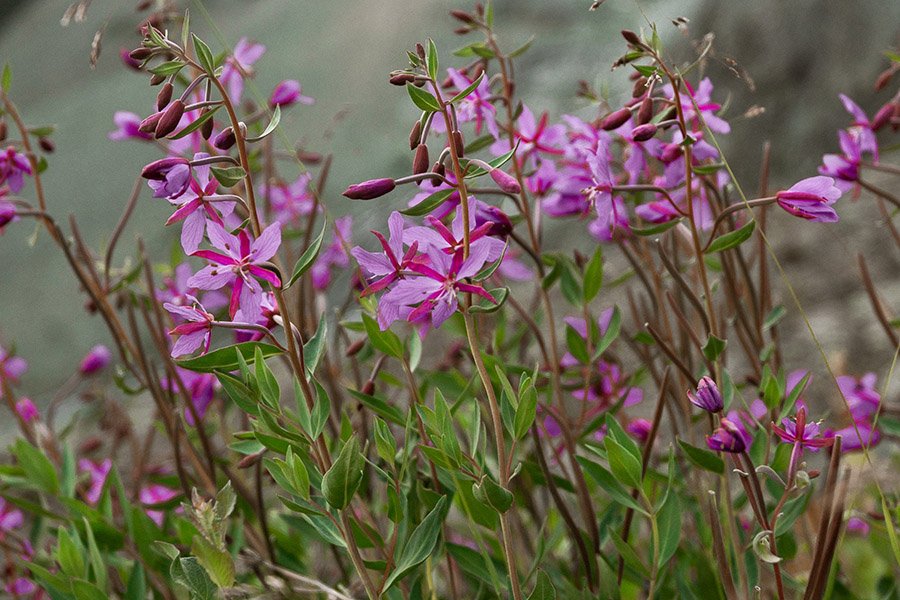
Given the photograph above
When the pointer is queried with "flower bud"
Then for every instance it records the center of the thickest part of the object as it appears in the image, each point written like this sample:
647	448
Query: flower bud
355	347
401	78
148	125
368	190
458	143
506	182
158	169
3	130
463	16
883	79
726	438
368	388
640	87
139	55
251	459
639	429
95	360
882	117
27	410
421	160
631	37
420	51
645	112
615	119
225	139
164	96
169	119
439	168
157	79
670	152
415	135
207	128
125	56
642	133
500	224
7	214
46	144
707	396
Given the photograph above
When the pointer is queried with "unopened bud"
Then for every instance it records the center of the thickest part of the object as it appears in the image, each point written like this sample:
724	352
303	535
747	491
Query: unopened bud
645	112
148	125
631	37
640	87
615	119
140	54
157	79
368	190
420	51
207	128
500	224
883	79
402	78
251	460
46	144
458	143
169	119
164	96
95	360
439	168
642	133
368	388
415	135
670	152
506	182
355	347
883	116
89	445
225	139
463	16
462	30
421	160
3	130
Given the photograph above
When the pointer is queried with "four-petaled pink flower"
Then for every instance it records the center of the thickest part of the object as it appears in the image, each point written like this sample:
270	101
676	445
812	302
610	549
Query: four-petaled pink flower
194	331
802	435
240	65
238	264
387	266
198	203
811	199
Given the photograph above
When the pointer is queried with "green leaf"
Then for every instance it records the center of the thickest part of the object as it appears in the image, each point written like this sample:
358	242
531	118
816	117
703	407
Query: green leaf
204	55
240	394
380	407
774	317
225	359
612	332
485	306
321	410
228	176
308	257
794	395
543	588
137	584
732	238
188	573
496	163
276	119
577	345
167	68
422	99
629	555
6	79
527	409
70	554
713	347
98	565
521	49
471	88
217	562
195	125
654	229
669	528
624	466
39	471
705	459
314	347
268	385
431	60
593	275
383	341
343	478
606	480
421	543
428	204
493	494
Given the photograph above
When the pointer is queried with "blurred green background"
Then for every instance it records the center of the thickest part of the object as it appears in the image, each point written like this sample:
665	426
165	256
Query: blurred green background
799	54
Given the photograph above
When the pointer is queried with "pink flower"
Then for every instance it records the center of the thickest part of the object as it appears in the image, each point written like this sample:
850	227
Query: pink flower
7	212
127	127
811	199
387	266
726	438
155	493
708	397
97	471
197	203
13	165
27	410
240	65
290	203
288	92
11	367
334	255
194	332
238	264
10	516
168	177
96	359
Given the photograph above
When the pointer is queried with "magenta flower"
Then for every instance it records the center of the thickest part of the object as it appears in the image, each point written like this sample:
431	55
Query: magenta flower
708	397
239	263
198	203
10	516
811	199
639	429
240	65
152	494
476	107
96	359
97	472
288	92
127	127
201	388
7	213
862	126
450	239
13	165
387	266
854	438
289	203
11	368
861	395
706	108
27	410
802	435
175	289
334	255
434	295
21	587
194	331
844	167
168	177
534	135
726	438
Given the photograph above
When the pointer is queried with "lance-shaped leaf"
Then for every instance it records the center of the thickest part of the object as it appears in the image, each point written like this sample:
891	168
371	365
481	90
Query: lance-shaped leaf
421	543
308	257
343	478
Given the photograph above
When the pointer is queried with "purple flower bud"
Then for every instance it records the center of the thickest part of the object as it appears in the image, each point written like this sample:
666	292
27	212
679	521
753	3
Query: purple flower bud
159	169
95	360
707	396
642	133
128	60
27	410
225	139
420	160
367	190
615	119
670	152
174	173
506	181
402	78
645	112
501	226
148	125
164	96
7	214
139	55
726	438
169	119
288	92
639	429
414	135
631	37
882	117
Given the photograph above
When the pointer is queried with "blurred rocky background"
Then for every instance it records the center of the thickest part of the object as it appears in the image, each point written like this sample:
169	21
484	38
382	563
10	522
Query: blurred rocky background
789	59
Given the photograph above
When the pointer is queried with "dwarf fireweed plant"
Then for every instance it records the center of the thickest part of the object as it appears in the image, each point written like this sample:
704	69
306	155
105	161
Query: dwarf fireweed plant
554	372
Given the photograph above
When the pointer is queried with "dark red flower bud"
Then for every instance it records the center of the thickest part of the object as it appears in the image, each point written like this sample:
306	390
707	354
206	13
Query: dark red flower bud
615	119
169	119
883	79
369	388
251	460
639	88
367	190
642	133
670	152
309	158
415	135
157	79
207	128
164	96
46	144
225	139
506	182
883	116
129	62
462	30
458	143
645	112
420	51
355	347
401	78
140	54
3	130
148	125
90	444
463	16
439	169
421	160
631	37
